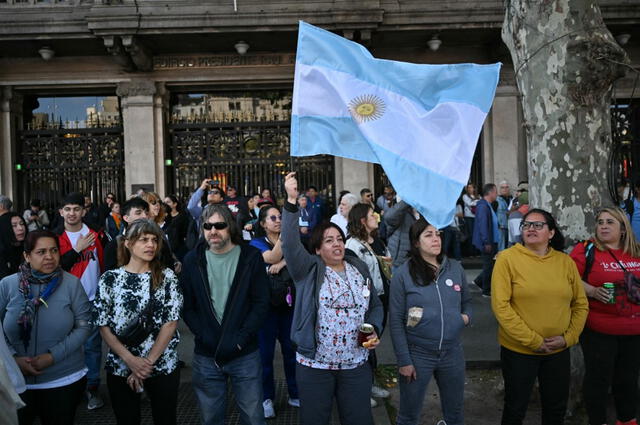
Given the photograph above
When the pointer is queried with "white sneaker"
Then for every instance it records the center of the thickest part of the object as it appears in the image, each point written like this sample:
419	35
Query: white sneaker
379	392
295	402
269	411
94	401
374	403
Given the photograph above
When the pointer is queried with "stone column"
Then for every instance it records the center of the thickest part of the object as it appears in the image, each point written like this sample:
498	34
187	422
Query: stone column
137	100
504	150
7	147
160	108
353	175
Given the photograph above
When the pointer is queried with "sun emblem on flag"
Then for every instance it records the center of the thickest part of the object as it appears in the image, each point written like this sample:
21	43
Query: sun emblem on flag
366	108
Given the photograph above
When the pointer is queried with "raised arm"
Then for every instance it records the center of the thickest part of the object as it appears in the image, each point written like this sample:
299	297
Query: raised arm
299	261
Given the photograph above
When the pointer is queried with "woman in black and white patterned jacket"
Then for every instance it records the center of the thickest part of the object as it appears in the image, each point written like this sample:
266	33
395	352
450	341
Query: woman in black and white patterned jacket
123	295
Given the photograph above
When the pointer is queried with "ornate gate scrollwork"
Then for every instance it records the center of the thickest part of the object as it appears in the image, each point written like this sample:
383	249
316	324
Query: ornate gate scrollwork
250	155
55	162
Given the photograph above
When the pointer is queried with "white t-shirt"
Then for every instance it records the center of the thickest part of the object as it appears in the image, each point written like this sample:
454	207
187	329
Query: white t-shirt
341	222
91	275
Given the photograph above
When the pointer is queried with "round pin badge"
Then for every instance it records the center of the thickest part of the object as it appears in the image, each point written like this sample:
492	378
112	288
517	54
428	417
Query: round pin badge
449	282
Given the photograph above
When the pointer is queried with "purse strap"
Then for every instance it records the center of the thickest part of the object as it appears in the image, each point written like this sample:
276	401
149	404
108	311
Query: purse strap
149	309
615	258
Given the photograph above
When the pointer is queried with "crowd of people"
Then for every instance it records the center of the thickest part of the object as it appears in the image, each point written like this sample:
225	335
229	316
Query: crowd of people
245	273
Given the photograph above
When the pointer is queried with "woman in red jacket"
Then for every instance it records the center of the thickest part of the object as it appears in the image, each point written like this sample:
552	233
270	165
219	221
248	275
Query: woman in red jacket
611	338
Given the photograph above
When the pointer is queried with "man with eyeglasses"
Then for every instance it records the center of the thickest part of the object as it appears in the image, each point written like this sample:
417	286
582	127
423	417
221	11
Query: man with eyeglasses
226	299
486	235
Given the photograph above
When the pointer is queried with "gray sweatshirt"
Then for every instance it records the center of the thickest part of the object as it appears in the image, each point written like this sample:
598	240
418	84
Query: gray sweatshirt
437	308
60	329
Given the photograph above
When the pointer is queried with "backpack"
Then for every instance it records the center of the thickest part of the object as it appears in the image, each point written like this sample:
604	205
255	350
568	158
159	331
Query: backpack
589	255
193	234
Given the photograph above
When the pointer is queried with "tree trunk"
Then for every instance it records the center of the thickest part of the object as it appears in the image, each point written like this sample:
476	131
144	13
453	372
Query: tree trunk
565	62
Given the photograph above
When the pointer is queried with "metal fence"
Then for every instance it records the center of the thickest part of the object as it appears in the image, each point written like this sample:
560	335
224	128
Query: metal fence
248	155
54	162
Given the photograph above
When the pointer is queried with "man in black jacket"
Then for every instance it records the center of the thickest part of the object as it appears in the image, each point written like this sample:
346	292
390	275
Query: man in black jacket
226	299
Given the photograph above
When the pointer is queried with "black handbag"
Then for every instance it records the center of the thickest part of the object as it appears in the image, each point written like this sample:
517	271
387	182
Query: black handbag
282	289
139	329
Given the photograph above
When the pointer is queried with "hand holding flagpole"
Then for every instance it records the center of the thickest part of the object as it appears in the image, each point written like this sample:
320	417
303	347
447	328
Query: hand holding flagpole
291	187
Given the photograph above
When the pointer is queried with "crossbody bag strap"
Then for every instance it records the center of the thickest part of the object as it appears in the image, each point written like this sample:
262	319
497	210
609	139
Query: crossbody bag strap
618	261
150	305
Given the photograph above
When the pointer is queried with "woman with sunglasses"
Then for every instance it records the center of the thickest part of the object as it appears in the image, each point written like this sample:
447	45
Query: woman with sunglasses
539	302
141	289
45	315
277	325
336	320
611	338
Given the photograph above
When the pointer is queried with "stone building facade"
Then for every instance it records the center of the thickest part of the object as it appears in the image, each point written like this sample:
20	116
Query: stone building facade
148	53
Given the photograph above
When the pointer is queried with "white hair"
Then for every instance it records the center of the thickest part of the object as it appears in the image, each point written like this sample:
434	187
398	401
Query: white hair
350	199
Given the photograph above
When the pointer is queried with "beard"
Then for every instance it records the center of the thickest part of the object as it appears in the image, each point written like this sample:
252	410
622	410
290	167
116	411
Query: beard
219	244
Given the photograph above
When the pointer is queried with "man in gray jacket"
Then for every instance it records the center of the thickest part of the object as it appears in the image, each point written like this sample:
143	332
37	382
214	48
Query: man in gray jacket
399	220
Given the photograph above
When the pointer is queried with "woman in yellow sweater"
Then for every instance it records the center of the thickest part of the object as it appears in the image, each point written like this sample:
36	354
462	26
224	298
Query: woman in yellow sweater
538	299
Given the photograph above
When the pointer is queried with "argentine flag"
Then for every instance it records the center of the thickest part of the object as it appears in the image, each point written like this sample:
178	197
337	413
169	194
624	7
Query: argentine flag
420	122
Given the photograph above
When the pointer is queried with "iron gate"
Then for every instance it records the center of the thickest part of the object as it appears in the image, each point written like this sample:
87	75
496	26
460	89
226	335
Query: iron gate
54	162
248	155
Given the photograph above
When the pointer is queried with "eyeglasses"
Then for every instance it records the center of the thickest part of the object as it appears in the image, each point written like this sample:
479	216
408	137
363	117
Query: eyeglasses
275	218
538	225
219	225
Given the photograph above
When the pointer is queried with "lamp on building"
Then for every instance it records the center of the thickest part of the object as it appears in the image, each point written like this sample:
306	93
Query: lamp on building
623	39
46	53
241	47
434	43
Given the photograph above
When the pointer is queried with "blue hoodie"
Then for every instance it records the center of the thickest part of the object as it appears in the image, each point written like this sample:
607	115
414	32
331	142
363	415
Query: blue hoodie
442	302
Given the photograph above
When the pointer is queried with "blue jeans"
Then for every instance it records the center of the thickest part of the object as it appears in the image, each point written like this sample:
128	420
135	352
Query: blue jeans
210	385
447	366
93	358
277	325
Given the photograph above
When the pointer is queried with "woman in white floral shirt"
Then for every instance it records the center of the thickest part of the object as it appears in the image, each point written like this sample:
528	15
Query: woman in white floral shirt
122	298
334	296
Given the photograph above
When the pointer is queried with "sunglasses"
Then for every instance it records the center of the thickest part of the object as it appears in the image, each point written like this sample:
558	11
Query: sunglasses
275	218
214	192
219	225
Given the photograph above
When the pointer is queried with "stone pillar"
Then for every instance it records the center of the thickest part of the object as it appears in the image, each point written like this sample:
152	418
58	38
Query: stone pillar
504	150
138	115
160	108
7	147
353	175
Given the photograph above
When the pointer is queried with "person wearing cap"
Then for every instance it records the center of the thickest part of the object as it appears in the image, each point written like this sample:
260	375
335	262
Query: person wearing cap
237	205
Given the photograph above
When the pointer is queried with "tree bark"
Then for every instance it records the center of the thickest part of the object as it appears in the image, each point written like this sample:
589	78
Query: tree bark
565	62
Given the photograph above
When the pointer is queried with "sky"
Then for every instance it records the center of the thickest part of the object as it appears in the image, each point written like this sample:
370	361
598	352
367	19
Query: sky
70	108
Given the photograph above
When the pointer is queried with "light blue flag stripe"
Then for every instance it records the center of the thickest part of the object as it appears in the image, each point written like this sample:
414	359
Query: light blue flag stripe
432	194
324	129
427	85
